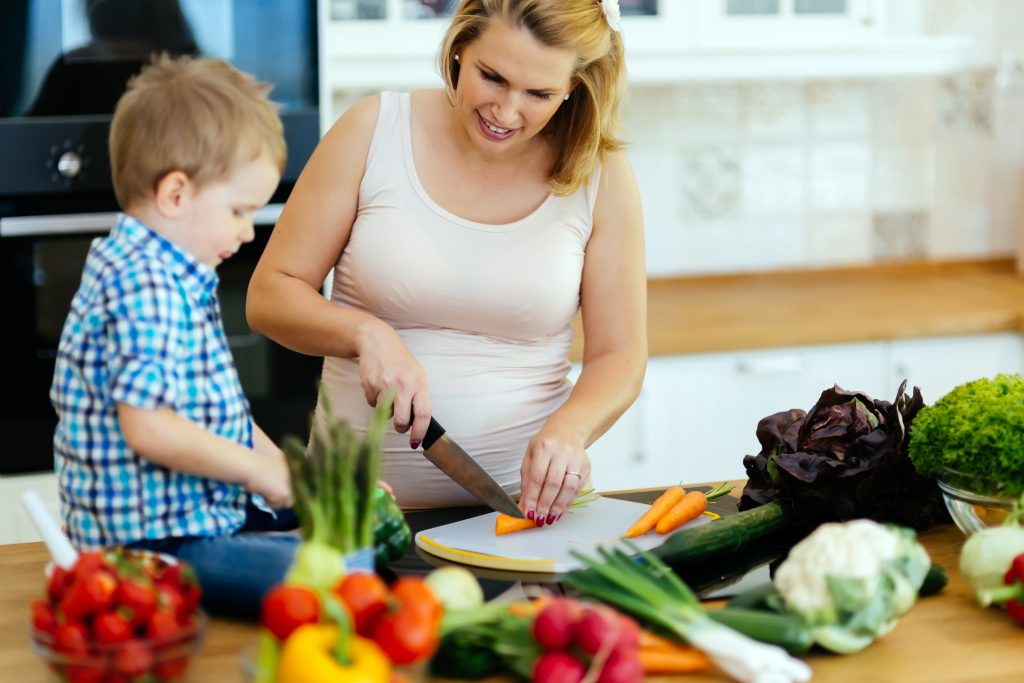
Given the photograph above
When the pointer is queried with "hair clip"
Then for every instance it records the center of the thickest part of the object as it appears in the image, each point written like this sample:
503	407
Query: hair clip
612	14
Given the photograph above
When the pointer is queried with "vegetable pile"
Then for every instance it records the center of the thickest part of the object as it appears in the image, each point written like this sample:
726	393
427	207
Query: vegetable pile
845	459
118	615
648	589
976	429
356	631
556	640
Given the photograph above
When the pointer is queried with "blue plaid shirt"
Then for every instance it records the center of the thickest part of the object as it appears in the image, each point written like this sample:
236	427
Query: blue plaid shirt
144	329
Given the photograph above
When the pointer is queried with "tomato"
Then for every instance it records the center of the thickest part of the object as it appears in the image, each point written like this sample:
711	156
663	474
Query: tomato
416	596
366	596
286	607
406	636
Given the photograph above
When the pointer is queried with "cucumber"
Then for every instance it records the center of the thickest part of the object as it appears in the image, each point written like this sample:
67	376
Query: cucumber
785	630
755	598
934	581
727	535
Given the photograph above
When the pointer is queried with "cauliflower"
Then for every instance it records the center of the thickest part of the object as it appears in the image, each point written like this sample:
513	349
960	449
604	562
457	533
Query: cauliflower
851	581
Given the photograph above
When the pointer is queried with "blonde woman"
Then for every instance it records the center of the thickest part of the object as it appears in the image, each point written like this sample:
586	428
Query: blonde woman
465	227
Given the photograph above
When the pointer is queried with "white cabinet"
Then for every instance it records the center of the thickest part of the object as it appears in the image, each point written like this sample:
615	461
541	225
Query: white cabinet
703	409
15	525
697	414
939	364
372	45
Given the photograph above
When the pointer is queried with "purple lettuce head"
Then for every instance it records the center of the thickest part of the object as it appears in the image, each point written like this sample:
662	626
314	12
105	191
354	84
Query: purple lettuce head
846	458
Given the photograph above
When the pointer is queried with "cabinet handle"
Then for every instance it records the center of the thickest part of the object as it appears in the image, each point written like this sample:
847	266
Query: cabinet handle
776	365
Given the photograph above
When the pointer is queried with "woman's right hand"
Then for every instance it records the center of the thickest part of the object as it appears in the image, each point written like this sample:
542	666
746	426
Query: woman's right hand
385	364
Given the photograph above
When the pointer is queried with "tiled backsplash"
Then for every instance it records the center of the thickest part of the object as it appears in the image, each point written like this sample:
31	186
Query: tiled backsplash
793	175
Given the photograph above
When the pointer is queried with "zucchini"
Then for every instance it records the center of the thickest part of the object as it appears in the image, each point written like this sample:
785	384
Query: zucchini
788	631
725	536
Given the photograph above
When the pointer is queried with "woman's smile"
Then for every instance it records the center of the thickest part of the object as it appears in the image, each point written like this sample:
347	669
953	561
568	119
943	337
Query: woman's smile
494	132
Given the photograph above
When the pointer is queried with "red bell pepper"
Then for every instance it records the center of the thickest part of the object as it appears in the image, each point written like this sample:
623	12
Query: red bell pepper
1012	595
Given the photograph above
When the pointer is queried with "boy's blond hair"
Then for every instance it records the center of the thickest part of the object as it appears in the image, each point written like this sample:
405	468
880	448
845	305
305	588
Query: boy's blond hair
199	116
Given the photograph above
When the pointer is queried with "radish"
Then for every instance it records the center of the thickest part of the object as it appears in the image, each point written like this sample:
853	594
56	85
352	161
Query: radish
598	625
553	626
622	666
558	667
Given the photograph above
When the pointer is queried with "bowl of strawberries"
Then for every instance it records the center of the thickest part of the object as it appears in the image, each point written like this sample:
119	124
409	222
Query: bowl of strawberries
118	615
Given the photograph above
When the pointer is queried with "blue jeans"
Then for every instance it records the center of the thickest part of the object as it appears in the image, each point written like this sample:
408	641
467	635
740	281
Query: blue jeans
236	571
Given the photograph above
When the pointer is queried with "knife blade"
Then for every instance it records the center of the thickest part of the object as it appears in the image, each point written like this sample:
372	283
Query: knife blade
449	457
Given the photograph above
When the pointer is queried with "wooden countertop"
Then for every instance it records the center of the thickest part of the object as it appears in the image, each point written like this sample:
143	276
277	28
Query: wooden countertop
793	308
944	638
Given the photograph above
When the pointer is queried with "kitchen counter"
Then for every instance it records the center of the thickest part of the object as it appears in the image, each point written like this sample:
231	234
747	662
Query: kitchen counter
944	638
837	305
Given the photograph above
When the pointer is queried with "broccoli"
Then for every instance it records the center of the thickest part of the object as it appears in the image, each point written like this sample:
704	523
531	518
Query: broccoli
976	429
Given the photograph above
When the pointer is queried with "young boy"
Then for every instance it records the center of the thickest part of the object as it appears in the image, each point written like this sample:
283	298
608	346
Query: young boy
155	446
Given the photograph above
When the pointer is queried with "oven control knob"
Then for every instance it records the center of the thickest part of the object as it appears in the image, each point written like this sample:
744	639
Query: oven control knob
69	164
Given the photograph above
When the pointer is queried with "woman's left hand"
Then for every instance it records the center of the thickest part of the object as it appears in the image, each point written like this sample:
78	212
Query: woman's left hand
555	470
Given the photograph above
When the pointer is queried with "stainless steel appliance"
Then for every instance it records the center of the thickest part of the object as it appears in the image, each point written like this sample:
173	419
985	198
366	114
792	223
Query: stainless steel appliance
63	64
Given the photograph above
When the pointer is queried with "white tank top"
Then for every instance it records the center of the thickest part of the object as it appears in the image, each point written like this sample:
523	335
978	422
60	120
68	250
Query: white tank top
485	309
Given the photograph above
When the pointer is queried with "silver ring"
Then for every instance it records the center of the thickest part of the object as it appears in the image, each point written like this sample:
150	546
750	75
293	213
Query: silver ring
575	474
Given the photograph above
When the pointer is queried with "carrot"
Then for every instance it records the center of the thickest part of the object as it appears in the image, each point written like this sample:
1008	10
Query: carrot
506	524
664	503
652	641
690	507
678	659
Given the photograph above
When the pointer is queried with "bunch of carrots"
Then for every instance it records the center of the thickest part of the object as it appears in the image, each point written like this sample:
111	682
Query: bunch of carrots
675	508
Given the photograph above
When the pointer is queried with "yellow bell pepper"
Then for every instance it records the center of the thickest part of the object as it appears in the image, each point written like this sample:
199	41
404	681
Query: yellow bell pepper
306	658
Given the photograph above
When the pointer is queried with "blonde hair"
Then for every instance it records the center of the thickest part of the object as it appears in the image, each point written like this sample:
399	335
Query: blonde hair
582	130
199	116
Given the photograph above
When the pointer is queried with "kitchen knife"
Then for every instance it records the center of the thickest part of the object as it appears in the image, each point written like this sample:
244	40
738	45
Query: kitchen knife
465	471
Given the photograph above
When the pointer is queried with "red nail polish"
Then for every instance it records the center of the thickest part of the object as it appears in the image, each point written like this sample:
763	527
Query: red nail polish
551	519
529	515
540	521
414	445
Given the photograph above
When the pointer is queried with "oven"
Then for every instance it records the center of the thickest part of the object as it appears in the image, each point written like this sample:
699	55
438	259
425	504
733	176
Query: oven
63	64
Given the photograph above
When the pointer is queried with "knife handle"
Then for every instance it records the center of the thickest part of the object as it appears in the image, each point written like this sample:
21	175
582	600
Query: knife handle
434	432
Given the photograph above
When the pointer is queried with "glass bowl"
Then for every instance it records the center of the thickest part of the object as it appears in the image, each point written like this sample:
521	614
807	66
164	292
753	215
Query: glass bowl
142	660
975	503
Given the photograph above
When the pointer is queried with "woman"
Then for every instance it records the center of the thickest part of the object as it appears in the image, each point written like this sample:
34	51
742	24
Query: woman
465	227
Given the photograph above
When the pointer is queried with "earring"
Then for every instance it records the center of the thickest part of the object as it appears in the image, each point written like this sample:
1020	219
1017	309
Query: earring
456	58
566	97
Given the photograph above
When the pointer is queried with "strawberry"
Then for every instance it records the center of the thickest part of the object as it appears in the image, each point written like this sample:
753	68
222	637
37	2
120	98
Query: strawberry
89	595
71	639
162	627
111	628
43	618
138	598
133	659
57	583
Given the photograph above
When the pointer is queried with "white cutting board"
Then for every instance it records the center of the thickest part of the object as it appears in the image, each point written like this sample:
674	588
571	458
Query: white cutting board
544	549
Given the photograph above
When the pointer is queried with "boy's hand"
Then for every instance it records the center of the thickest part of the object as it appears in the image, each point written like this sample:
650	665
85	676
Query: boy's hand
269	477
